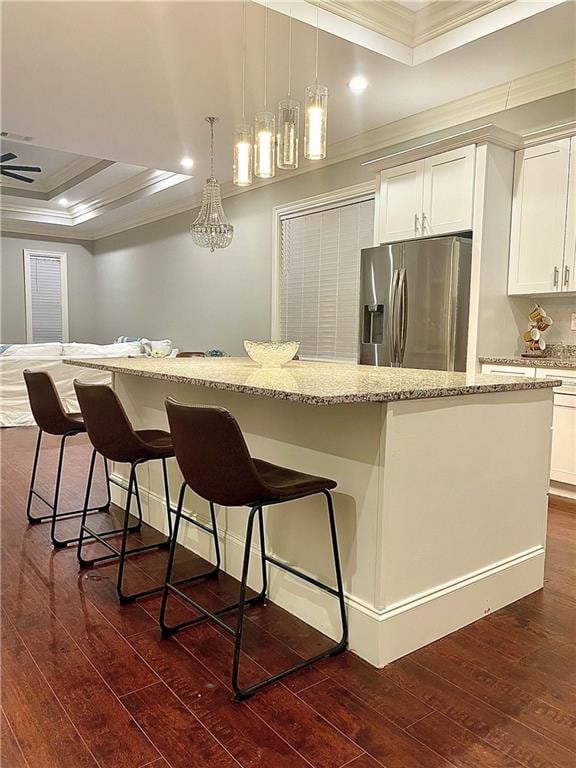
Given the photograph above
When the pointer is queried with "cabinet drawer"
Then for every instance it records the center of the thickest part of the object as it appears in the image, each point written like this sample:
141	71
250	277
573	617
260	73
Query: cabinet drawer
568	376
509	370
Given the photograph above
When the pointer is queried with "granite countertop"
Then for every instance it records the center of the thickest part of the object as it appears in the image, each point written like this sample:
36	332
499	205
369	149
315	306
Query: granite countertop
566	363
313	382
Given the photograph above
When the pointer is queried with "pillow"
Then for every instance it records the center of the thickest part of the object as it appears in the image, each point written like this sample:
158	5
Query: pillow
76	349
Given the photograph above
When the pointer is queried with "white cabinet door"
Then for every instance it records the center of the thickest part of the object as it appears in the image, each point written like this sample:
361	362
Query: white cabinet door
448	191
569	268
400	202
563	466
539	218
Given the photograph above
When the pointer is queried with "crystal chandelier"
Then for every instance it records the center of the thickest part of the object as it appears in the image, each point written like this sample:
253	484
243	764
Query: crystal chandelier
211	228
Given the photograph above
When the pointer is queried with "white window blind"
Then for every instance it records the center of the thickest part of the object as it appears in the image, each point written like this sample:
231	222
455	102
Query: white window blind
46	297
320	279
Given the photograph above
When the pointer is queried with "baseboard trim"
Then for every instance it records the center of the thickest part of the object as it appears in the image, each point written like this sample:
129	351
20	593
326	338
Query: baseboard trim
377	635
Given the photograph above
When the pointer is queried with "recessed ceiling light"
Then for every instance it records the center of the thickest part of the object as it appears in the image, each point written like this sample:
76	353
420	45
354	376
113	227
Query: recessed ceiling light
63	201
358	84
187	163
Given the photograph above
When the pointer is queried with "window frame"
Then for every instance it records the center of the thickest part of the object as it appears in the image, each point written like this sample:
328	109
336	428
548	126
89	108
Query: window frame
62	256
338	198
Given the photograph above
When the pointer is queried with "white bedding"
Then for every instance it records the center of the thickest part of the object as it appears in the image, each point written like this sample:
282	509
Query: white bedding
14	406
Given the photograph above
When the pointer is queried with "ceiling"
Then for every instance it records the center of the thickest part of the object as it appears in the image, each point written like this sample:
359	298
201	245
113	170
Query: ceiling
129	83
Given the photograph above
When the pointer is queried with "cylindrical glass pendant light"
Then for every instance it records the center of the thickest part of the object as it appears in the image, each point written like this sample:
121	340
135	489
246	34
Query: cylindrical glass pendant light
265	125
288	130
264	129
287	138
316	119
242	176
242	165
316	108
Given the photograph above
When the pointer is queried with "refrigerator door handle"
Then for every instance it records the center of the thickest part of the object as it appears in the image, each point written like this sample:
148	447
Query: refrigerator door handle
392	326
402	324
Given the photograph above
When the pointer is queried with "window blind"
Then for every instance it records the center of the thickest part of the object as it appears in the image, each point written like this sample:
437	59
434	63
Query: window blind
320	279
46	298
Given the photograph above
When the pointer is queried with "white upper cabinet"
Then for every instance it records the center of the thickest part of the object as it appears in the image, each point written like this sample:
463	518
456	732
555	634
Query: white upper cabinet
427	197
401	196
448	192
569	268
542	238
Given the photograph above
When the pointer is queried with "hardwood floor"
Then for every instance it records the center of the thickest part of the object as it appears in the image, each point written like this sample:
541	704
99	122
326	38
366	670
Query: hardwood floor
89	684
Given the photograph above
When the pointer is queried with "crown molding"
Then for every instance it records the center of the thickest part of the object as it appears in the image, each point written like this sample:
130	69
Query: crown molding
438	18
477	106
549	134
410	37
484	134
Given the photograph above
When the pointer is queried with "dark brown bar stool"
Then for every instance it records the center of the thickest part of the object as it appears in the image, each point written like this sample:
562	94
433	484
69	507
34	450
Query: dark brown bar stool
114	438
216	464
51	418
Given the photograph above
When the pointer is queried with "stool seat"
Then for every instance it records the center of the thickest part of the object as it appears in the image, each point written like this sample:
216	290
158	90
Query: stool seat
284	483
156	443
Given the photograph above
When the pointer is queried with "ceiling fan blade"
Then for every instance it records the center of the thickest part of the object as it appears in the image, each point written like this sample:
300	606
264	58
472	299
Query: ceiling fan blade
29	168
8	156
16	176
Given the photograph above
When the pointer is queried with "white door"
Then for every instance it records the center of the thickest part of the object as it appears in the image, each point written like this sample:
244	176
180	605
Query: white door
400	203
569	268
448	192
539	218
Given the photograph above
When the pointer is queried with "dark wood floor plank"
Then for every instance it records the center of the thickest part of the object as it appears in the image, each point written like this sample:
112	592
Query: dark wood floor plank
106	727
377	735
44	733
364	761
499	730
303	728
500	693
458	745
378	691
174	730
11	756
552	689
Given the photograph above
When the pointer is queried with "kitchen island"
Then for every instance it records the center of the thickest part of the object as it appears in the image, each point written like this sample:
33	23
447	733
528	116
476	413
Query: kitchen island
442	486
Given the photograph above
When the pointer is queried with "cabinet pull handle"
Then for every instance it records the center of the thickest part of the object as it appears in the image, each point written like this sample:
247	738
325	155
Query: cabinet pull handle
424	223
566	275
416	224
556	276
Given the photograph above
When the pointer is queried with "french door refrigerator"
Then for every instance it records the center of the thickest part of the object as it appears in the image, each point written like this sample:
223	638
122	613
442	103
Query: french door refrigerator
415	302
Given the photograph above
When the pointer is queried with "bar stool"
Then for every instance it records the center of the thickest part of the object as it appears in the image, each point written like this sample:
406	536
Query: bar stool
215	462
51	418
113	437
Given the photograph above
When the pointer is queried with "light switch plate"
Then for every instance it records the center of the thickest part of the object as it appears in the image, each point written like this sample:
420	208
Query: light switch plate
573	321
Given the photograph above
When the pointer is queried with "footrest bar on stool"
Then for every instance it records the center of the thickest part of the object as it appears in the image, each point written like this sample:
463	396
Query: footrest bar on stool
100	538
206	614
63	515
304	576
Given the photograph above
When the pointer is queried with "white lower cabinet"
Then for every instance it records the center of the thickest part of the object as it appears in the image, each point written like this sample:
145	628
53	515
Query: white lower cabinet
563	461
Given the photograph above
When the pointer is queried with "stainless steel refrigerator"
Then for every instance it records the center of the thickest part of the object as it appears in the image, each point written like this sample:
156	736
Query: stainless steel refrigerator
415	303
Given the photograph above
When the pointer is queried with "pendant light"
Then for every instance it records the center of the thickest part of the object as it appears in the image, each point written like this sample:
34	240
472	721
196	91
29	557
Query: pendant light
316	108
211	228
265	125
288	120
242	166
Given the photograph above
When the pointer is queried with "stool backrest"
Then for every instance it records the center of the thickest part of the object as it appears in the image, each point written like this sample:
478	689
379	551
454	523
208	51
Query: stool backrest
212	454
45	403
107	425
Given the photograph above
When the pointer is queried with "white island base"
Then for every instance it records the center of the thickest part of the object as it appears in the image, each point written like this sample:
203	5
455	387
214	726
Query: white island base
440	506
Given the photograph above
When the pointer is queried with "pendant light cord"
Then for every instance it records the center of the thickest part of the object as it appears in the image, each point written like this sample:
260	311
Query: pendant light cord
290	55
244	62
317	35
266	58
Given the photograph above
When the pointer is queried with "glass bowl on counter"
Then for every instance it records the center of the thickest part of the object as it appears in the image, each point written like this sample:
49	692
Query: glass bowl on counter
271	354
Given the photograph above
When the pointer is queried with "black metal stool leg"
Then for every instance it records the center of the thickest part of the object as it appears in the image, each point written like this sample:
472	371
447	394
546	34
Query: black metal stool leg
341	646
167	631
131	483
166	544
32	519
55	542
83	562
242	603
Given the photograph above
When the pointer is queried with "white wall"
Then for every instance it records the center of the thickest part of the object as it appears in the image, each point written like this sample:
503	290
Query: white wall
81	293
